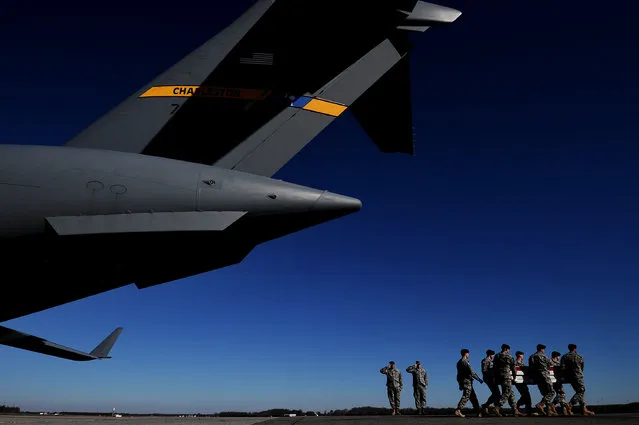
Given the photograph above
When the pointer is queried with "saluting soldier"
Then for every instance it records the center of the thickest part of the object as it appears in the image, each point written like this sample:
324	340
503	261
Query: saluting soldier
394	385
420	382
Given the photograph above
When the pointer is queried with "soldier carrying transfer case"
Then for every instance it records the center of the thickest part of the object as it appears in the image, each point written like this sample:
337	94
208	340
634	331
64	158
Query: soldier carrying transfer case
488	375
572	369
394	385
504	374
539	366
525	399
465	376
560	398
420	382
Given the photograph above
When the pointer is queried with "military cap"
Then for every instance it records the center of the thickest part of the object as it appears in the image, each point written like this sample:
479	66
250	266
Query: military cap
555	354
391	362
505	347
541	347
417	362
519	353
489	352
464	351
572	347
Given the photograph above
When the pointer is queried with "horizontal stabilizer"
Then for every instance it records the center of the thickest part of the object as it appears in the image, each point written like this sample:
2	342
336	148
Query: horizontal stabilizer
269	148
424	15
385	111
36	344
144	222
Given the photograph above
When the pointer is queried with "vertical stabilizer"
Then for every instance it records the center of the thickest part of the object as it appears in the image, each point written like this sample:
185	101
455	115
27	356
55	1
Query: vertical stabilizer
103	348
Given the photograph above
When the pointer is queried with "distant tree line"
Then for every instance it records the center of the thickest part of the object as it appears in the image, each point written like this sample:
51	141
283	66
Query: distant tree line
264	413
616	408
9	409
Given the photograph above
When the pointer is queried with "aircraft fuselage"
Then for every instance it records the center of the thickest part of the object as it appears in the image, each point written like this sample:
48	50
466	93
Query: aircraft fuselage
69	187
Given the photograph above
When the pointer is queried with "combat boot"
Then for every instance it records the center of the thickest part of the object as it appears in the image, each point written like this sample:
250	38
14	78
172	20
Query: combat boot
541	408
568	408
587	412
419	411
498	411
552	411
517	412
459	413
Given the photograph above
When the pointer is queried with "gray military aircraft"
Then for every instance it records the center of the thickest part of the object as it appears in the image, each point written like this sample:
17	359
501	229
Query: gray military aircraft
177	179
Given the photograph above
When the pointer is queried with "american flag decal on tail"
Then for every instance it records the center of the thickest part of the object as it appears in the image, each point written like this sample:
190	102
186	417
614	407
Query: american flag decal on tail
258	59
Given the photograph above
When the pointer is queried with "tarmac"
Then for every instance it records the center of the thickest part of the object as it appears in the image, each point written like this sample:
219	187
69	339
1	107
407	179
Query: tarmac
609	419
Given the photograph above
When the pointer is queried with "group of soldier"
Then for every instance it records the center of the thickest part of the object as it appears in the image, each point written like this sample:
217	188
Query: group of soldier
500	371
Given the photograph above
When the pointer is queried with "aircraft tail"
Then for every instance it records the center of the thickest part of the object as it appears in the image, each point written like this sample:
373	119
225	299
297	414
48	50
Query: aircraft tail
101	351
255	94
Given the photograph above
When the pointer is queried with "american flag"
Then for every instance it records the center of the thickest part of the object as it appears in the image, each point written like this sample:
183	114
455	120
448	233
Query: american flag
258	59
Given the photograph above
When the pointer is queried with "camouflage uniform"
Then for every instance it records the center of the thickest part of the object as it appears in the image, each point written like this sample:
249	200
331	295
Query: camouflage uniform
539	366
420	382
488	375
394	386
505	372
572	369
465	376
560	398
525	399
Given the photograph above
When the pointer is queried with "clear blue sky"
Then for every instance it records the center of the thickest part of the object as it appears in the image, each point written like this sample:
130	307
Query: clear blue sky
516	222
